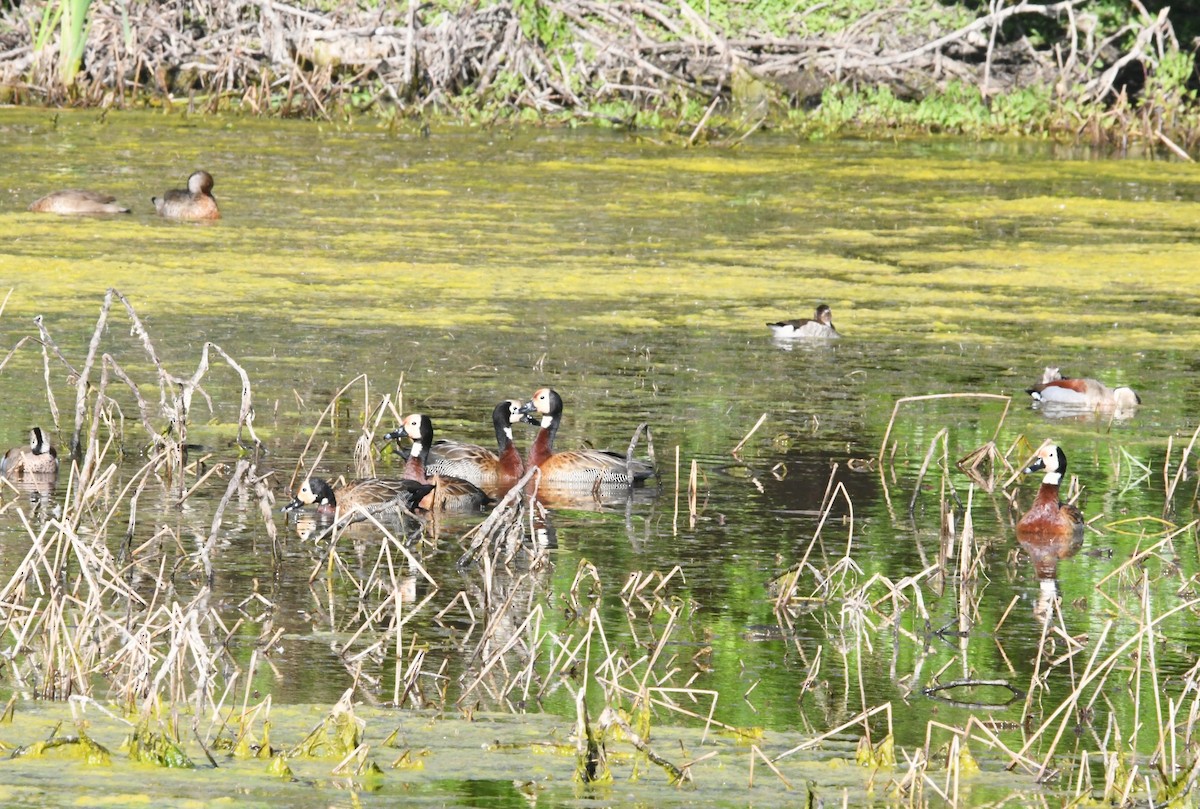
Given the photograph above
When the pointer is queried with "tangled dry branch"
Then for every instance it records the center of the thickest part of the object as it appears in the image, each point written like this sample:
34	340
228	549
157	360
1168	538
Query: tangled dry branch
274	57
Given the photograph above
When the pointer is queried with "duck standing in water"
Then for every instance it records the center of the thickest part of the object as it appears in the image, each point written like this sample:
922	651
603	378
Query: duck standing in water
580	466
1049	516
820	326
77	202
39	459
196	203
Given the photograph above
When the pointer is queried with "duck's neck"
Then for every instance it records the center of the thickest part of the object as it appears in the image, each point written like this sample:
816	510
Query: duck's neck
543	445
414	469
1048	491
510	459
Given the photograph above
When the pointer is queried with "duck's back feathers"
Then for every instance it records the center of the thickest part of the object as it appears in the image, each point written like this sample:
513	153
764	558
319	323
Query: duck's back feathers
1083	392
77	202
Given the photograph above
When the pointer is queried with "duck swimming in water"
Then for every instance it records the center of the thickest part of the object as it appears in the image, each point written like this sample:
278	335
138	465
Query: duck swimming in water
454	494
77	202
1088	393
474	463
39	459
367	494
820	326
578	466
1049	516
196	203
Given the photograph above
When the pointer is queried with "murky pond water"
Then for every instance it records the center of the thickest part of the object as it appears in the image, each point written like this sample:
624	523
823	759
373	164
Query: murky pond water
465	267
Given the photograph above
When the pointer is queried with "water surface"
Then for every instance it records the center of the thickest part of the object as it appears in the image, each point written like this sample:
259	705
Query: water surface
469	266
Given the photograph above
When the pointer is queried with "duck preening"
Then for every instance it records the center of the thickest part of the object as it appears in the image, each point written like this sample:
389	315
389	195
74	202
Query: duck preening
1049	515
38	459
820	326
77	202
578	466
372	495
195	203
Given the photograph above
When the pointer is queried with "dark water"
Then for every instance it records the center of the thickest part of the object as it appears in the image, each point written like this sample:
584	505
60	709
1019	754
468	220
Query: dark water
470	267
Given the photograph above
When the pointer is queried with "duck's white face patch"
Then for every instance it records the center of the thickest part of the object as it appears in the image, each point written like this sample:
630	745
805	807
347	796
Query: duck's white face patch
306	493
1053	478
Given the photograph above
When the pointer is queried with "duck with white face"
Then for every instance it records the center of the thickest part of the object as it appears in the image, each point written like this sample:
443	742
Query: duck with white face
1049	516
472	462
39	459
371	495
586	467
450	493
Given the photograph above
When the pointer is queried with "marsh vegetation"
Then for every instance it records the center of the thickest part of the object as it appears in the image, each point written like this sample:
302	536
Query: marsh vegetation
1108	72
840	608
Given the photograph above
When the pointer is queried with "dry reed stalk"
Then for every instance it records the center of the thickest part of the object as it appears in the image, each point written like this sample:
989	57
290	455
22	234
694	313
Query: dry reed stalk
12	351
633	442
81	384
858	719
907	399
675	518
755	752
511	642
608	717
1140	556
205	551
746	438
692	497
505	516
1179	472
790	582
1094	672
328	411
943	434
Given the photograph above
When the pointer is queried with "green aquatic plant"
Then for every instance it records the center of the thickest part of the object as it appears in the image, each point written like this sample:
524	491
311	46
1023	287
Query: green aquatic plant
80	747
154	747
69	18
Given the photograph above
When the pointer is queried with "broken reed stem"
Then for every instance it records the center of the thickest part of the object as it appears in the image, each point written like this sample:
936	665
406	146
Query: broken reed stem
746	438
907	399
692	497
1170	492
942	434
46	371
81	385
858	719
205	550
313	433
246	406
675	518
